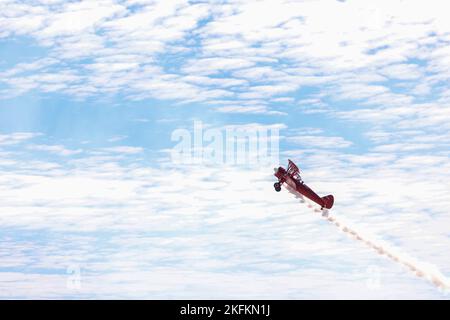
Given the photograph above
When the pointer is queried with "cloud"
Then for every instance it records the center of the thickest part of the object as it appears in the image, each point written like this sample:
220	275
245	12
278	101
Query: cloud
210	66
205	51
401	71
320	141
376	72
117	138
124	149
118	222
78	17
56	149
249	109
17	137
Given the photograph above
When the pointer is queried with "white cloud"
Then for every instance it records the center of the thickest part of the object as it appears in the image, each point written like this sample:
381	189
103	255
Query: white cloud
211	66
117	138
120	224
124	149
320	141
366	66
201	52
252	109
17	137
78	17
57	149
401	71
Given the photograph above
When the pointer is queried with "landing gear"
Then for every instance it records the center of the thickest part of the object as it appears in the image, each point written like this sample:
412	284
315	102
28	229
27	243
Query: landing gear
277	186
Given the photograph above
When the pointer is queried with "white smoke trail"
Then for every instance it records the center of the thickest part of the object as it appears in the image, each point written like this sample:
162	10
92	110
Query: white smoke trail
420	269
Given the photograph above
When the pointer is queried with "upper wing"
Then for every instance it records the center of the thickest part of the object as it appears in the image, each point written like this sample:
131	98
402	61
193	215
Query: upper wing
292	169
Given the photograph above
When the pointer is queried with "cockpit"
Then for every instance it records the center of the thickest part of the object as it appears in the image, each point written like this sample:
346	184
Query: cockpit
294	171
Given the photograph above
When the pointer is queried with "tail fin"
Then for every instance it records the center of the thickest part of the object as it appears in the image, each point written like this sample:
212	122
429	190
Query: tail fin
328	201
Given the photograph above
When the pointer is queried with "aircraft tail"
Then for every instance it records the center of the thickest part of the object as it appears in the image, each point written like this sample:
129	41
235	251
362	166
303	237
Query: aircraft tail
328	201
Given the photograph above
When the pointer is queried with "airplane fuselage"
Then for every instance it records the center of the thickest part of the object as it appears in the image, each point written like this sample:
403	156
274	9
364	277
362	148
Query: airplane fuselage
300	187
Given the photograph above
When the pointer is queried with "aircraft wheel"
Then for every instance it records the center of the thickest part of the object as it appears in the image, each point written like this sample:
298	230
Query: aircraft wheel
277	186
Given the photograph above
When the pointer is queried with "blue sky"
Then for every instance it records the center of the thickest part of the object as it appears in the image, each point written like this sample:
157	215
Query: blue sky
91	91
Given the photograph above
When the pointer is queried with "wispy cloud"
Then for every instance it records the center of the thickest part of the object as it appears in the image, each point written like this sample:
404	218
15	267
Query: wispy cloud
226	51
57	149
359	90
17	137
118	222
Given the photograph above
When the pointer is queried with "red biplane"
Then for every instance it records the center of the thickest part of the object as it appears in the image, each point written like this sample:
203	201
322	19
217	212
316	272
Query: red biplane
292	178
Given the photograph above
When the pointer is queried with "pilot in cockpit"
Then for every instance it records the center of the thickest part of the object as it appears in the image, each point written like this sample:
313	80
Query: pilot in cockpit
298	177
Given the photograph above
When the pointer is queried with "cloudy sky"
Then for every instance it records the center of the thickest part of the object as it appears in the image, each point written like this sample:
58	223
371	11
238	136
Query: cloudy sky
92	205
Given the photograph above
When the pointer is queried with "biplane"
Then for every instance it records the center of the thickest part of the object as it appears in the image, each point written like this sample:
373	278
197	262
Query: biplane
291	176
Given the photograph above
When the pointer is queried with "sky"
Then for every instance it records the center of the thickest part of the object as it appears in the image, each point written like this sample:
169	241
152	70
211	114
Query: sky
93	205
